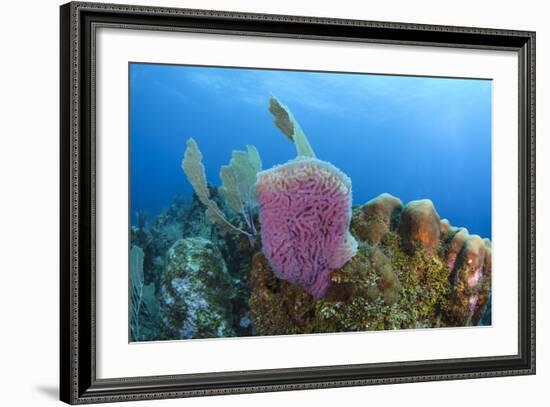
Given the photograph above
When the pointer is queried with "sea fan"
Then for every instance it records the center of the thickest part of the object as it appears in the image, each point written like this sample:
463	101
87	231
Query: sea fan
144	303
238	177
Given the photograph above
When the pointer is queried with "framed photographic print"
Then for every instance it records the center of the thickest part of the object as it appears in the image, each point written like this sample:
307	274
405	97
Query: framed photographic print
257	203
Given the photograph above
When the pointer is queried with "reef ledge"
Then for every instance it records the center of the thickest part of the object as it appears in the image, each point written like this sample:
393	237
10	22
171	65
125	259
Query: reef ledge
412	270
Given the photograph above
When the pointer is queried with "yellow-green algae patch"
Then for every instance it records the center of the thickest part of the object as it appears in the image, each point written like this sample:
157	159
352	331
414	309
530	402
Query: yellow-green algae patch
380	288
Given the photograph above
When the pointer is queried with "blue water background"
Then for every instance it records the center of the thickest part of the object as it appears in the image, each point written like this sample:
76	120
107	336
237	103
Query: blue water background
412	137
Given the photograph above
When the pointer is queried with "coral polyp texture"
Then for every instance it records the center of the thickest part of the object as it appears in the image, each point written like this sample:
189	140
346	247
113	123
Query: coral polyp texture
305	213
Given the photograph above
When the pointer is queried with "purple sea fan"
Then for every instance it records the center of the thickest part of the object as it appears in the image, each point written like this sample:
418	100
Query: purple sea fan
305	213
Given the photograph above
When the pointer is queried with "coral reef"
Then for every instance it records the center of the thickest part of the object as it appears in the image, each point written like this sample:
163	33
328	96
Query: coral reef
444	226
184	219
420	226
455	246
374	219
321	267
398	279
196	291
471	282
305	211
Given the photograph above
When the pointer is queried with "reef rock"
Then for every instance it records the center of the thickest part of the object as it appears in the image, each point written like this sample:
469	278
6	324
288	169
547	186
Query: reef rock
195	223
420	225
380	288
412	271
305	212
445	226
455	247
471	282
373	220
196	291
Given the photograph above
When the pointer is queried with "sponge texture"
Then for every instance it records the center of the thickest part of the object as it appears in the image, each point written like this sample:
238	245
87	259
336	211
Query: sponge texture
305	216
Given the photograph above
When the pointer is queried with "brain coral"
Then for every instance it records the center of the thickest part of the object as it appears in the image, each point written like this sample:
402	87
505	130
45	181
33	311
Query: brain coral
305	216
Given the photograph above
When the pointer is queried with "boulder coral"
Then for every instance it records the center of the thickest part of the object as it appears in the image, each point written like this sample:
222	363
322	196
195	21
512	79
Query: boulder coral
410	276
420	225
196	291
455	246
444	226
471	281
305	213
375	218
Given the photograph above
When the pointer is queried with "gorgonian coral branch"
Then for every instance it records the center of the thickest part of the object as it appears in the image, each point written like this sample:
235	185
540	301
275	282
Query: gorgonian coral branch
238	183
239	178
143	301
286	122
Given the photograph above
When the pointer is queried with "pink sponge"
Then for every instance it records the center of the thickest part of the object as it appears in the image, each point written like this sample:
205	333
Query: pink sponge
305	212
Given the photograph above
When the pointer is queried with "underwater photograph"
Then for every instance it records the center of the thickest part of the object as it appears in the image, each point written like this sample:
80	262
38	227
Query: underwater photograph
282	202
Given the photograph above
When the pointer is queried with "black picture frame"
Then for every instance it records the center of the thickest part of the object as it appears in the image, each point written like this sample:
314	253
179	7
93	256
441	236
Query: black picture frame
78	382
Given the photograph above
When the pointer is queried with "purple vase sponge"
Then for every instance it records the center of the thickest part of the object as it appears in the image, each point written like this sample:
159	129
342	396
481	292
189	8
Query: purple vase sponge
305	213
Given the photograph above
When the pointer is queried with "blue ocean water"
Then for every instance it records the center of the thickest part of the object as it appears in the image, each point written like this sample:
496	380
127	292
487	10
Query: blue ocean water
413	137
